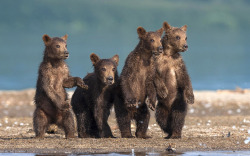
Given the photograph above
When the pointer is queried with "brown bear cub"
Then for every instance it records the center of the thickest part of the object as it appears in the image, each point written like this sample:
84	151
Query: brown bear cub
52	104
171	70
92	107
136	83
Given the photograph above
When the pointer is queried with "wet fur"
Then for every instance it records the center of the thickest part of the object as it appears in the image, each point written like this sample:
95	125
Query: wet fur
92	107
136	83
52	105
173	85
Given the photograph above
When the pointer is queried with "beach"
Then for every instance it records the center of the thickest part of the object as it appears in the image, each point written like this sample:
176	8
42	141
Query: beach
217	121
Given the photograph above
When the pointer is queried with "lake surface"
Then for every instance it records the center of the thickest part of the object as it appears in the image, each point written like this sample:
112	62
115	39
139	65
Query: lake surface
218	36
210	67
194	153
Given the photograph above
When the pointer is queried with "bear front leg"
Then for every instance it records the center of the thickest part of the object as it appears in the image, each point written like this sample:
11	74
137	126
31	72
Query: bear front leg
189	96
106	127
74	81
151	93
99	117
184	82
160	87
57	100
83	120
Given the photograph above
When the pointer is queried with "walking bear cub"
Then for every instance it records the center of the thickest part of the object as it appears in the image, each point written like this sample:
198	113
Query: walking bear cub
92	107
52	105
136	83
171	70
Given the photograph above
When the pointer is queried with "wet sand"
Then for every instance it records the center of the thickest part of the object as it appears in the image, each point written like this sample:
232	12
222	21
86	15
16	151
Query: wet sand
219	120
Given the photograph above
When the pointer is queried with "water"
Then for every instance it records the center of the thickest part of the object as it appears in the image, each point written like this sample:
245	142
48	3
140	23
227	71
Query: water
194	153
218	57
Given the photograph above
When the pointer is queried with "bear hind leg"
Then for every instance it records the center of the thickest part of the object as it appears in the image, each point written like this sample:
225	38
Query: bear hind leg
40	122
68	124
162	117
178	114
123	118
142	120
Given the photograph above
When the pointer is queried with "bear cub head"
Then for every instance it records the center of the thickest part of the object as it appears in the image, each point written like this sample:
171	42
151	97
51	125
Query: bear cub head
105	69
56	47
151	41
175	38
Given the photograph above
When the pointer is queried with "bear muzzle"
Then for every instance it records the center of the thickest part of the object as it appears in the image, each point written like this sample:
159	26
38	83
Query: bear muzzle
159	51
66	54
185	47
109	80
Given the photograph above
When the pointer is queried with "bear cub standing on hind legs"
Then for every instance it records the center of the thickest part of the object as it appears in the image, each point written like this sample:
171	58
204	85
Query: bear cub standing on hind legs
92	107
171	70
136	83
52	104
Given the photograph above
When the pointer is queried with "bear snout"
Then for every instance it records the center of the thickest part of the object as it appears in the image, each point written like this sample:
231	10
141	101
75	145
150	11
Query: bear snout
66	54
110	80
185	46
160	49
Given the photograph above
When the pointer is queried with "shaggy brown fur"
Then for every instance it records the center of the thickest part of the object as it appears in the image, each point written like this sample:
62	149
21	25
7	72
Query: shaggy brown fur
52	105
92	107
136	83
174	88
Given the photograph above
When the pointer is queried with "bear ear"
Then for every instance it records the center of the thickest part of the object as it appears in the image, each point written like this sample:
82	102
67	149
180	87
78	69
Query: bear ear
184	28
46	39
166	26
65	37
160	31
115	59
94	58
141	32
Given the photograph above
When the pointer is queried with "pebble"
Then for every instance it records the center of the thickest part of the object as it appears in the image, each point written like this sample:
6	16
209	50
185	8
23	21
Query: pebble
230	112
246	141
191	111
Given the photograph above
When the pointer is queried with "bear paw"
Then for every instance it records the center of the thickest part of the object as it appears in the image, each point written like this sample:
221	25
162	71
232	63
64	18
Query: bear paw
80	83
150	104
131	103
162	92
189	97
65	106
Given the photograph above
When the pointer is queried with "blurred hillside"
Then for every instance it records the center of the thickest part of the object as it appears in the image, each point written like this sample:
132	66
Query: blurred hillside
218	32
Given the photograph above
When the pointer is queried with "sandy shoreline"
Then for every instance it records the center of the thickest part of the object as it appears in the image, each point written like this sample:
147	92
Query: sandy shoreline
219	120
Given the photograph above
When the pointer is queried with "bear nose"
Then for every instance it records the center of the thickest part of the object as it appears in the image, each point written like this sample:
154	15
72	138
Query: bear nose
185	46
110	78
160	49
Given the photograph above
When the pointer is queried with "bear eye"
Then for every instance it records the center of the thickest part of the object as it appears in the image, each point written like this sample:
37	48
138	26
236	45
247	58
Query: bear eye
152	40
57	46
186	38
113	69
103	69
178	37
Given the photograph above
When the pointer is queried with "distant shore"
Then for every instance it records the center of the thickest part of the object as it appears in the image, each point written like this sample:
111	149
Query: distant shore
218	120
